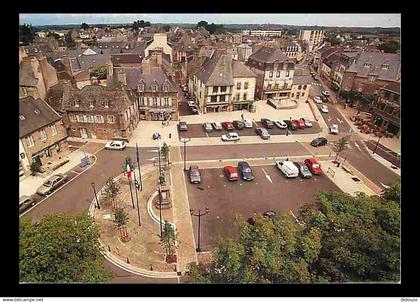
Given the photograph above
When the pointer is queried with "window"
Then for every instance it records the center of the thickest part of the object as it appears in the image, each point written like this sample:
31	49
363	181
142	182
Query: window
245	96
154	87
222	98
111	119
269	86
72	118
29	141
299	87
125	116
155	102
141	100
53	130
287	73
99	119
297	95
372	78
106	104
166	99
246	85
238	85
140	87
90	119
58	147
271	74
47	153
213	98
278	74
43	134
165	88
367	65
223	88
293	95
80	118
238	96
215	89
90	104
76	103
304	87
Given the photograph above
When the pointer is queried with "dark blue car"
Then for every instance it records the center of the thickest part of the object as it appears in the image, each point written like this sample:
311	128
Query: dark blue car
245	171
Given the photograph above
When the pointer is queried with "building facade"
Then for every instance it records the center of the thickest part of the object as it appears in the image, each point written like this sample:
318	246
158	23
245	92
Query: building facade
312	37
386	108
262	33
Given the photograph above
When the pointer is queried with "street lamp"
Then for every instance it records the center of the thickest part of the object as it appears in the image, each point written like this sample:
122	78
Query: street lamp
377	143
96	197
185	141
199	224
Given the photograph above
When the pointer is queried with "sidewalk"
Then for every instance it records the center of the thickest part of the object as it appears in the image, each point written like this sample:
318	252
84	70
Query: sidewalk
30	184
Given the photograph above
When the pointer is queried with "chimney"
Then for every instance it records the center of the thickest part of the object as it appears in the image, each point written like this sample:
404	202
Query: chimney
122	77
146	68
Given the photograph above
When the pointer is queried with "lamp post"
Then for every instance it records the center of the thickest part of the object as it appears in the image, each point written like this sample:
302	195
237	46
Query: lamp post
377	143
96	197
185	141
138	164
160	209
137	198
199	224
160	166
129	181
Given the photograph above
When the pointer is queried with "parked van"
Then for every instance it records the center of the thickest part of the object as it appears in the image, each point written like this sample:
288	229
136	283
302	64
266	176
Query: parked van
288	168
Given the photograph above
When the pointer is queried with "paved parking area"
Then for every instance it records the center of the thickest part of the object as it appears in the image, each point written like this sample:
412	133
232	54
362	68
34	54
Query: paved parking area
270	190
197	130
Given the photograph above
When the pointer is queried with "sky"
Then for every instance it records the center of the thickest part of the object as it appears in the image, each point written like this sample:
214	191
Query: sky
344	20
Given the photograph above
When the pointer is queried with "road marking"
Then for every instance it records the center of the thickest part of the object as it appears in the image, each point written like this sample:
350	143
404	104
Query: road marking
385	186
340	121
153	151
293	214
267	176
357	146
75	172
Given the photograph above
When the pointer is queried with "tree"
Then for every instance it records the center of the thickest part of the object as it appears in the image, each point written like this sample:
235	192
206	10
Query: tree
121	220
110	192
26	34
60	249
100	73
389	47
84	26
166	27
165	150
393	193
202	24
168	240
341	145
35	167
359	235
69	40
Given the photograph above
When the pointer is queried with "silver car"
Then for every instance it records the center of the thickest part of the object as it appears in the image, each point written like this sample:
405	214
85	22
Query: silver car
25	203
51	184
194	173
217	126
303	170
207	127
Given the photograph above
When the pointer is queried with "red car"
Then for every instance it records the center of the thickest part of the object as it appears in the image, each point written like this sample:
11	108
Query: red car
299	123
231	173
313	166
228	125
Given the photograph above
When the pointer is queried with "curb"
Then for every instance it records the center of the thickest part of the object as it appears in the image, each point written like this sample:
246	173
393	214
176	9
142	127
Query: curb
397	172
121	264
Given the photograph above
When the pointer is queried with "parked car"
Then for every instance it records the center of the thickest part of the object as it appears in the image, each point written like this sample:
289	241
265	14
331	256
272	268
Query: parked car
299	123
326	93
324	108
156	135
303	170
194	174
247	123
182	126
51	184
323	98
25	203
191	104
290	125
231	136
267	123
334	129
263	133
217	126
288	168
307	122
194	109
280	124
319	141
239	125
228	125
115	145
296	123
318	100
245	171
231	173
207	127
313	166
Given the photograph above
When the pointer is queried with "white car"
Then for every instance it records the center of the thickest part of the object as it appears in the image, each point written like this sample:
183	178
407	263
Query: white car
326	93
324	108
231	136
317	100
247	123
115	145
334	129
307	122
280	124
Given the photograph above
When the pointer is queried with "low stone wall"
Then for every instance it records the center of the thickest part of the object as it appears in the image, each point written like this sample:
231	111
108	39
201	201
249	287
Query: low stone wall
275	104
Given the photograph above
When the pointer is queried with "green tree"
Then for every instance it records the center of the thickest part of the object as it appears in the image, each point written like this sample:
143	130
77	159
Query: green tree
168	239
60	249
202	24
121	220
100	72
359	235
35	167
26	34
393	193
341	145
110	192
69	40
84	26
389	47
165	150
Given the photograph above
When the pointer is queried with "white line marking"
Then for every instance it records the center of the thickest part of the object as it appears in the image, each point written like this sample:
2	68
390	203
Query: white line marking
75	172
267	176
293	214
385	186
357	146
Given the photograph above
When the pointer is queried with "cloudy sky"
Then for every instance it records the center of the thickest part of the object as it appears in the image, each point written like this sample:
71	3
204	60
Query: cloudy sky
360	20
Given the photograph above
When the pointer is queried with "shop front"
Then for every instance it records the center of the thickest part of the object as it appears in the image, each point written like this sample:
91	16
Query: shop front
217	107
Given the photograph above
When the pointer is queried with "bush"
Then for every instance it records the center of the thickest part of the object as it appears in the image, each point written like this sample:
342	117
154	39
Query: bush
35	167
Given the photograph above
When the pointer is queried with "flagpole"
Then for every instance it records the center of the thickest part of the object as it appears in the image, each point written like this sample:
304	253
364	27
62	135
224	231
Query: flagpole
138	164
137	198
129	181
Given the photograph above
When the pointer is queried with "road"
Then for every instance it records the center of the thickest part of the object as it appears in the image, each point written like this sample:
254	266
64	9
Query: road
385	153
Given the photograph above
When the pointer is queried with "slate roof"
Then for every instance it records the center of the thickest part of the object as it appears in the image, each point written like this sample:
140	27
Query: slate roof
268	55
89	61
54	97
376	60
117	97
135	76
217	70
241	71
37	114
128	58
26	75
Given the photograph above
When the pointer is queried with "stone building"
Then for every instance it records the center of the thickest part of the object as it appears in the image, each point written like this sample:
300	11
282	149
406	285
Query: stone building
274	73
100	112
160	41
42	136
386	108
301	88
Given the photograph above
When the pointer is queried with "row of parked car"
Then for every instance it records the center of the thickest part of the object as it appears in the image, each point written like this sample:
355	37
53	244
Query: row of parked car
305	169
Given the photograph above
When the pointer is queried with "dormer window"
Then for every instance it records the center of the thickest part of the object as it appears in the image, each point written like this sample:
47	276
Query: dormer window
385	66
165	87
76	104
154	87
36	111
367	65
91	104
106	104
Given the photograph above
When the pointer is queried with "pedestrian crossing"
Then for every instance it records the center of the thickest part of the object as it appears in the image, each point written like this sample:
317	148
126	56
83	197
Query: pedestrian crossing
316	84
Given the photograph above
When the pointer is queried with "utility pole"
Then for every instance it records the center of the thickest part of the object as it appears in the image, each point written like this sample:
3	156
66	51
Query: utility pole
199	224
96	197
138	164
137	198
185	141
160	209
377	143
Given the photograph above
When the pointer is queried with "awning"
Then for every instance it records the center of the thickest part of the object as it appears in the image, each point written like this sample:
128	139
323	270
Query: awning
217	105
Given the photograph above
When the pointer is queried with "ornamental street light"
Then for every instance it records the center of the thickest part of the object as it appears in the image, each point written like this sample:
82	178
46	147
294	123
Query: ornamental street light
96	197
199	224
185	141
